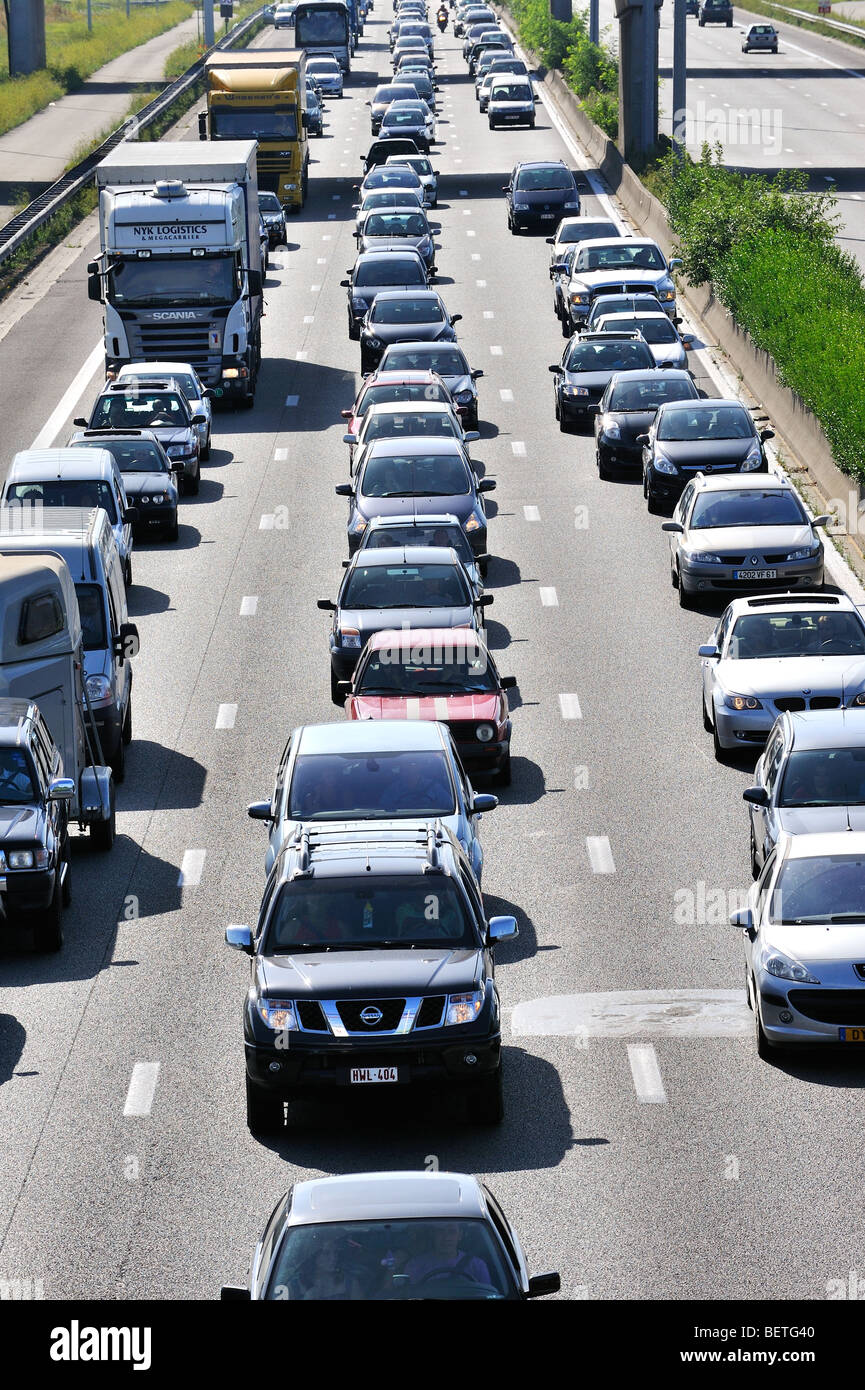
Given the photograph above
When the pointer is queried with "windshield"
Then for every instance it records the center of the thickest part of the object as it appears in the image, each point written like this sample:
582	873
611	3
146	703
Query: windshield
418	166
188	385
654	330
535	180
747	508
607	304
66	492
608	357
405	586
385	1260
390	177
510	91
828	888
399	198
648	395
327	24
352	786
758	635
140	409
585	231
395	224
628	258
17	787
415	475
446	670
444	361
91	606
411	424
824	777
134	456
268	202
350	914
706	422
180	280
413	391
407	311
415	533
266	123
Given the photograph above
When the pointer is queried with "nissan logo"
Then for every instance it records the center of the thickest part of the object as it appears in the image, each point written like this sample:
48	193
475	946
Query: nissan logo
370	1015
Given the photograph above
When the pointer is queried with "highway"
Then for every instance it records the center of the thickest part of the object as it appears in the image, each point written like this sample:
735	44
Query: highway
649	1156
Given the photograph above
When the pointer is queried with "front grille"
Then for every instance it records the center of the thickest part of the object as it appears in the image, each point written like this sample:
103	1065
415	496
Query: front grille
713	468
830	1006
350	1011
431	1010
311	1017
618	288
177	342
778	559
798	702
733	559
825	702
790	702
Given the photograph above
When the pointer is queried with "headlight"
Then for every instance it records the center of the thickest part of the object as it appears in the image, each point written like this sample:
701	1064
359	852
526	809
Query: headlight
181	451
579	296
567	205
662	463
463	397
472	524
349	637
157	497
808	552
27	858
278	1014
485	732
667	294
98	688
610	429
464	1008
740	702
521	202
574	391
786	968
359	305
705	557
753	459
358	526
858	701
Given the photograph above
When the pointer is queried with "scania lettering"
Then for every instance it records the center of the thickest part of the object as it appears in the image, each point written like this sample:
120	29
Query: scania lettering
261	95
179	270
324	26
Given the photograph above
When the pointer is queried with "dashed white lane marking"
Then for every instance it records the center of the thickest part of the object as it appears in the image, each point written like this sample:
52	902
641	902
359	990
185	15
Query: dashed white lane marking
481	284
301	356
600	854
292	400
280	455
470	233
637	1013
249	606
532	513
46	436
314	289
476	255
191	868
646	1073
518	448
496	351
267	521
506	394
549	598
225	716
570	706
488	314
467	212
309	318
327	236
142	1088
321	260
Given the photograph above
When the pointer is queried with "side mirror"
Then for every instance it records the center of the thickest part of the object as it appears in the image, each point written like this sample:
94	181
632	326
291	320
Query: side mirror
477	374
345	414
202	125
594	409
344	490
61	789
556	369
326	605
253	280
94	287
542	1284
199	419
487	485
92	267
709	651
821	520
344	687
259	810
455	318
744	920
130	515
675	526
502	929
348	439
346	285
240	939
81	422
641	439
550	240
484	802
508	682
758	796
675	263
486	600
233	1293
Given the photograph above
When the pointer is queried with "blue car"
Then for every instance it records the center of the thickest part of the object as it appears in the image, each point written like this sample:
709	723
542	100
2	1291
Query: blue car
393	772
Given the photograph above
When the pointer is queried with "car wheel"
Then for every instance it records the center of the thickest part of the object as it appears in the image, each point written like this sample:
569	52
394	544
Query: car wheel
674	575
729	23
265	1114
353	330
48	928
564	425
755	864
707	723
603	470
127	572
505	770
652	504
765	1050
492	126
173	531
205	452
126	736
486	1100
686	600
118	762
483	566
102	832
567	331
722	754
194	483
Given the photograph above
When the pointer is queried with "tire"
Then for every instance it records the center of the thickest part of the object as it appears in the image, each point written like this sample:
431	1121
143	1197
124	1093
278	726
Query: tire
483	567
603	471
504	774
557	410
127	572
531	125
103	832
247	403
264	1112
765	1050
126	736
205	452
721	754
173	532
755	866
118	762
335	693
674	576
486	1100
48	929
492	126
729	23
707	723
67	886
193	484
686	600
353	330
651	501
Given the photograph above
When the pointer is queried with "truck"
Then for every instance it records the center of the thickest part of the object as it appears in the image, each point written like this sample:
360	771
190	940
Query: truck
42	662
179	268
261	95
324	26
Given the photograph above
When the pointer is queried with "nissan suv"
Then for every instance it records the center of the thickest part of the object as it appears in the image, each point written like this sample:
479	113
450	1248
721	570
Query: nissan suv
371	966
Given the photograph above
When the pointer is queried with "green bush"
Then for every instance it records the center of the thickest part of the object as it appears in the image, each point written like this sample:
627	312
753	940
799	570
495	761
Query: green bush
590	69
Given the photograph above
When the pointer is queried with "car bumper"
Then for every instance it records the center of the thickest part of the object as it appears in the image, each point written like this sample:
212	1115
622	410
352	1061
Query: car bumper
577	408
707	579
615	455
154	518
324	1066
26	892
343	661
484	757
814	1014
527	218
742	728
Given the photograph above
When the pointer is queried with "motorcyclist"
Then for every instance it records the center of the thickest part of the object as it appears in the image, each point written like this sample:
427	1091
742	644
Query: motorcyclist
442	18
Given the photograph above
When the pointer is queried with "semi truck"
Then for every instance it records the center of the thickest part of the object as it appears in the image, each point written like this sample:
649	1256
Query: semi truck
261	95
179	269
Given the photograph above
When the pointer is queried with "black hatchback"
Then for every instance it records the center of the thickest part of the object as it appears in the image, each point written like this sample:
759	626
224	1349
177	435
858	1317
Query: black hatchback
627	409
539	194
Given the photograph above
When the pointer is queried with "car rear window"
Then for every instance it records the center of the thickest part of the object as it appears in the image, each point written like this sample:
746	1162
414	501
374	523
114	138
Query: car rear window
405	586
397	271
407	311
415	475
350	786
445	361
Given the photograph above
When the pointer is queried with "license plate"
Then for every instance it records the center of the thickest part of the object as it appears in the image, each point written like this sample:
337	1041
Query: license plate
755	574
364	1076
547	216
852	1035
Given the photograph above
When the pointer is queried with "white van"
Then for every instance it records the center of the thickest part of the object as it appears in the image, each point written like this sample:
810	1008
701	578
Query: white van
85	540
74	478
511	101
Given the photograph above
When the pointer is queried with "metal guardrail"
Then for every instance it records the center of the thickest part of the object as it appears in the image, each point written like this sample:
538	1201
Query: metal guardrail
45	205
856	29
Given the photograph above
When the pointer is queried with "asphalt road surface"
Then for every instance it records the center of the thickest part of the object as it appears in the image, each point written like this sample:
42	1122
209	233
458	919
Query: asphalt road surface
646	1152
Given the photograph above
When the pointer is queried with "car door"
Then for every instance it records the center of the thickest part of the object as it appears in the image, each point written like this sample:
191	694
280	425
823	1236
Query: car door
757	903
709	663
764	819
469	821
682	511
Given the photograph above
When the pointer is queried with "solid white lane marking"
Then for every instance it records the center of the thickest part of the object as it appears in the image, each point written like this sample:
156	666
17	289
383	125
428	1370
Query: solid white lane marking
646	1074
476	255
292	400
249	606
600	854
314	289
48	433
191	868
570	706
225	716
506	394
549	598
467	212
322	260
142	1087
532	513
636	1013
496	351
266	522
519	448
280	455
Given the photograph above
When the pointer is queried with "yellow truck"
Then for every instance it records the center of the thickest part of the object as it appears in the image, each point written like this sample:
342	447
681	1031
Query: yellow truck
260	95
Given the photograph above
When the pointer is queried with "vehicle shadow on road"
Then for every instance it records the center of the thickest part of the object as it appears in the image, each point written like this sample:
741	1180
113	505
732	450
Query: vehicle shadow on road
502	573
143	601
13	1036
155	774
526	944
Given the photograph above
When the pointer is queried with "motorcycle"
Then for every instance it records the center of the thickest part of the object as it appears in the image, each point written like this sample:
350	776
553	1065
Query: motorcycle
442	18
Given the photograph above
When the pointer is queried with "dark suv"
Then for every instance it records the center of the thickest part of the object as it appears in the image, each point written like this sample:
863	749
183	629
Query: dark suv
715	12
34	842
540	194
372	965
